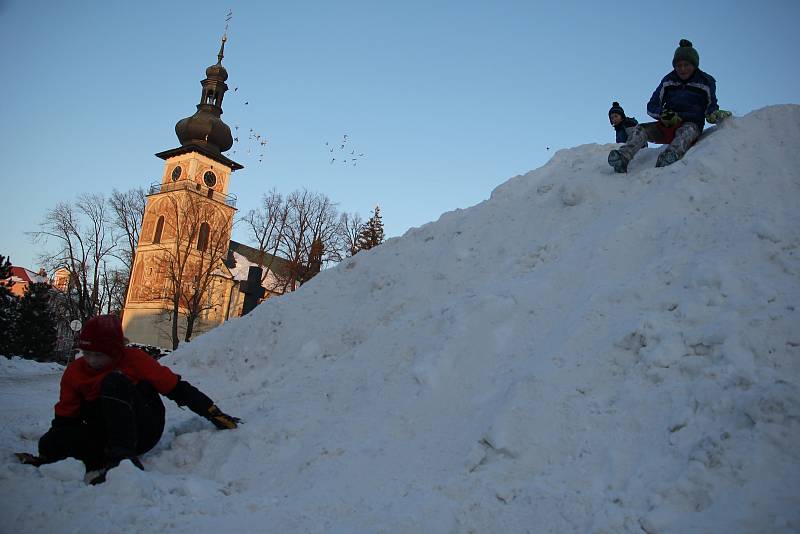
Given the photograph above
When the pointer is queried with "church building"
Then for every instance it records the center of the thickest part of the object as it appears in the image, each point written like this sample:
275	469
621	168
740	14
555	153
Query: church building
185	260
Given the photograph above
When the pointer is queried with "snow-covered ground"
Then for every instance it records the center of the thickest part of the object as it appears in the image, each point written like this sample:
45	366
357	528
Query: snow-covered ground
582	352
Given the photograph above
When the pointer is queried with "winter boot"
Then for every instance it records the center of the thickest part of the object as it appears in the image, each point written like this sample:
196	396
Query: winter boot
667	157
30	459
618	160
98	476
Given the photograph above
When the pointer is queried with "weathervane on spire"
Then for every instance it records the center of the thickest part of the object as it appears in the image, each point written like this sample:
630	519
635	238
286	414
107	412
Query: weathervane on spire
221	54
228	18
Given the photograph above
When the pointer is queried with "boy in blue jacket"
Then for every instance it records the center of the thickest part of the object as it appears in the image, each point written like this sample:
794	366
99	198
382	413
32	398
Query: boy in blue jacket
682	102
621	124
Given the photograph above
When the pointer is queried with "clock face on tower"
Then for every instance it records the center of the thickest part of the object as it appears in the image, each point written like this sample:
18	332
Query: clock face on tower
210	178
176	173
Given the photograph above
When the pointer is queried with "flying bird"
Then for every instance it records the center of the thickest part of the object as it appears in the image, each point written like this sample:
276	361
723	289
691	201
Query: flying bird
343	145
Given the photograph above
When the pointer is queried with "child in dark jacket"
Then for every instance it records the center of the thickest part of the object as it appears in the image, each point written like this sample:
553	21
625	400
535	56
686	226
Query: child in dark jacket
682	102
109	408
621	123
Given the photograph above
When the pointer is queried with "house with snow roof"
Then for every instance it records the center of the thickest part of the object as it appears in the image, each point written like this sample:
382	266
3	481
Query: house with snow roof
21	278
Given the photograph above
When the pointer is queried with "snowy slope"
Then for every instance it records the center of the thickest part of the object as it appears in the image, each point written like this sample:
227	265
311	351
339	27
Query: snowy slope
582	352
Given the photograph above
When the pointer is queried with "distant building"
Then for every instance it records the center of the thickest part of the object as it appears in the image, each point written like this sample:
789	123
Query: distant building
186	229
21	278
61	279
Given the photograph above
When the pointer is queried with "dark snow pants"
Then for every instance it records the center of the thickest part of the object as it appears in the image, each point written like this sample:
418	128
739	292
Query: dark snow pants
685	136
125	421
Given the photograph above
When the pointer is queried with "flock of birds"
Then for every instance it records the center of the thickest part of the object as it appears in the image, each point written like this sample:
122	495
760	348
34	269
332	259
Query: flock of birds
345	157
255	143
252	143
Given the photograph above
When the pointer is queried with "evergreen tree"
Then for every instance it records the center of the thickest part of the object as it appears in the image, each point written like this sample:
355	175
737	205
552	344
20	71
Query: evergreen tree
371	234
8	309
36	328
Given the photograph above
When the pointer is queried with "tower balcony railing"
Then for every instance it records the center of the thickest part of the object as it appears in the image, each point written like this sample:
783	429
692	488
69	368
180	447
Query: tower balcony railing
188	185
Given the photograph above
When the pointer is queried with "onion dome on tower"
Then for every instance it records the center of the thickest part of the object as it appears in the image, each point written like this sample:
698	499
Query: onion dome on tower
204	132
205	128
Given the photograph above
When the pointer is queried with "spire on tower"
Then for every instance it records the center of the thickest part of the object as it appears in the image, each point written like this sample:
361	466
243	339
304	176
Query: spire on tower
222	49
205	128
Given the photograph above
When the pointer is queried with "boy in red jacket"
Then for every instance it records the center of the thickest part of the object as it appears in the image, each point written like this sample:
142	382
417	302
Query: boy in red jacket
109	407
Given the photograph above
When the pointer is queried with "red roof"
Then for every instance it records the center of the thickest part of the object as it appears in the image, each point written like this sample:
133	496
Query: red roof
21	274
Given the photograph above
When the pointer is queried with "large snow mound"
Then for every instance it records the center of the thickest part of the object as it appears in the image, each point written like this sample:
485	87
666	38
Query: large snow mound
15	366
582	352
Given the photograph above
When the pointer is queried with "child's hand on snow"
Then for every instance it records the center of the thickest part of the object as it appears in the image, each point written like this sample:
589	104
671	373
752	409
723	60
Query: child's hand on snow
222	420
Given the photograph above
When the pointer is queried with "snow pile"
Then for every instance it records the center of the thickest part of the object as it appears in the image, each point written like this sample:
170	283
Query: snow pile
19	367
28	390
584	351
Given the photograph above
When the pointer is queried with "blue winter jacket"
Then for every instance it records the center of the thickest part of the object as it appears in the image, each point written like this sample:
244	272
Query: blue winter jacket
692	99
621	129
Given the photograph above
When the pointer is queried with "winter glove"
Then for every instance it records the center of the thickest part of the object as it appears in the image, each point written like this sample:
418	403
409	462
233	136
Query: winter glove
222	420
718	116
187	395
669	118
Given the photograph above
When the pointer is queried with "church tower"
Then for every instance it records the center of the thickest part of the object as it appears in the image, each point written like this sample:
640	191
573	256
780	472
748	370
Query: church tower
187	224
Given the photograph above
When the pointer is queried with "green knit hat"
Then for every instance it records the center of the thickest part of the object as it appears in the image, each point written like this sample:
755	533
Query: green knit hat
685	52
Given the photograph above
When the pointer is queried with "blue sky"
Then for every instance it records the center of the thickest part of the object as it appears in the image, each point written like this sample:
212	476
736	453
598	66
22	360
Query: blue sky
446	99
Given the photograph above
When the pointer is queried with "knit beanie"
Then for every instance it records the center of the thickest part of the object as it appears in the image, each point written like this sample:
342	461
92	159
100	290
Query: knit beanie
616	108
685	52
102	333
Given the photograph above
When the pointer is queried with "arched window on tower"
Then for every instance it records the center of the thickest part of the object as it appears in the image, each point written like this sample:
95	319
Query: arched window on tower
159	230
202	238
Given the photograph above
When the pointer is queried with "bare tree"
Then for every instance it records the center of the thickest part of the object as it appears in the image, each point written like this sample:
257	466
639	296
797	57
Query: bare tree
266	226
114	287
311	237
84	241
196	294
350	225
196	243
323	244
127	211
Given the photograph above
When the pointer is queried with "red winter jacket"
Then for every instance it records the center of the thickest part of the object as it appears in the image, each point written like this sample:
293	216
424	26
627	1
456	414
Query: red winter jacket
82	383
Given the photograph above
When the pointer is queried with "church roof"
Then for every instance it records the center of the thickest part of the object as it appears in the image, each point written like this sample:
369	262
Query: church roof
216	156
205	131
279	266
